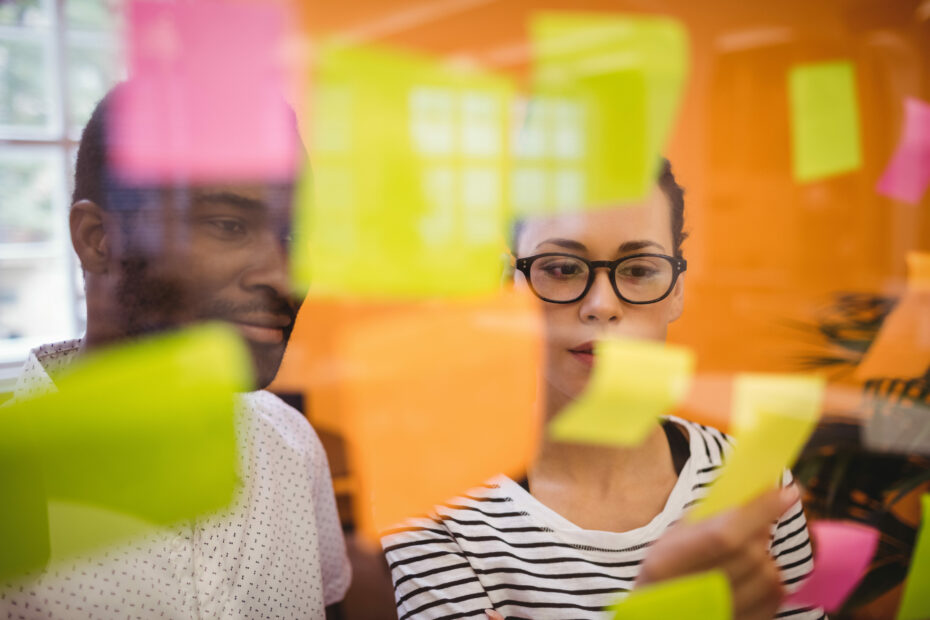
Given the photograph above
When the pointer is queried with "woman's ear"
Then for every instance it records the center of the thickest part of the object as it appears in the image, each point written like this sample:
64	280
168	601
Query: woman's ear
677	299
89	236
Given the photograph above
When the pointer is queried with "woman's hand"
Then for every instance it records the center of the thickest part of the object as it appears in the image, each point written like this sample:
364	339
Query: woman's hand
736	542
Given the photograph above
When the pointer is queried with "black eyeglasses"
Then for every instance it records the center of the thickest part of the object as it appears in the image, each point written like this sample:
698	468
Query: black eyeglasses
637	279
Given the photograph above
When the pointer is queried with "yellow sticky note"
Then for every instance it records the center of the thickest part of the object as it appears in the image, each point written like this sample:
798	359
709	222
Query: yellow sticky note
915	604
605	92
632	384
137	434
705	595
773	415
408	192
825	120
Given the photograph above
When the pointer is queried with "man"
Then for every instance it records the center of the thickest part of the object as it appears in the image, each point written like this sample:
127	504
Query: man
161	257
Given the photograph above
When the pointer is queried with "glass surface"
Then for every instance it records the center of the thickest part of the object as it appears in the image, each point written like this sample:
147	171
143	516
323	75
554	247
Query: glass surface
27	91
93	14
94	66
28	13
31	186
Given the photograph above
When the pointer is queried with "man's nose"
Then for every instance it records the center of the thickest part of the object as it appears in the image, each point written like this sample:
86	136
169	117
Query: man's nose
270	266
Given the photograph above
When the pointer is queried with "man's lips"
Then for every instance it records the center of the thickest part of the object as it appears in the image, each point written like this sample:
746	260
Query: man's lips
270	330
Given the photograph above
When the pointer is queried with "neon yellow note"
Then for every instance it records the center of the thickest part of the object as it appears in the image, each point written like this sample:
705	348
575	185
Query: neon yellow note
773	415
605	92
705	595
408	191
133	435
915	604
632	384
825	120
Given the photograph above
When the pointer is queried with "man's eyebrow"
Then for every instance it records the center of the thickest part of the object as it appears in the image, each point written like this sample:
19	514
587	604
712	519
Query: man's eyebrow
568	244
230	198
639	244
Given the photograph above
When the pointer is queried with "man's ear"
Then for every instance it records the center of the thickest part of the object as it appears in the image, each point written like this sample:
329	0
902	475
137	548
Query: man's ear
89	236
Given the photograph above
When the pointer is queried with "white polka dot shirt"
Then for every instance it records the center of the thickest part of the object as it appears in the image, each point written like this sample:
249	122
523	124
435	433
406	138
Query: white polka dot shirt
277	552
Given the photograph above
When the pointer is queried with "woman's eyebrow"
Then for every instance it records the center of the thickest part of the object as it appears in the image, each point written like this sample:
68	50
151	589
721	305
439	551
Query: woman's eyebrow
640	244
568	244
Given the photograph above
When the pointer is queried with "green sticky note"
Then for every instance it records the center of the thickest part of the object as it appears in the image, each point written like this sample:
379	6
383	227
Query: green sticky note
408	192
137	434
773	415
632	384
825	120
915	604
704	595
605	92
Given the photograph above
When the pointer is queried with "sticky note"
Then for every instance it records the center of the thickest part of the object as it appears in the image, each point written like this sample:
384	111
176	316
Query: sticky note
434	398
825	135
704	595
632	384
915	603
136	434
842	552
908	173
407	196
773	415
605	91
205	97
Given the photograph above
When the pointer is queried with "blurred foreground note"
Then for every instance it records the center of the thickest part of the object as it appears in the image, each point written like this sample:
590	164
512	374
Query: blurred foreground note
633	383
437	398
705	596
773	415
824	120
842	552
605	93
134	436
908	173
204	101
406	197
915	604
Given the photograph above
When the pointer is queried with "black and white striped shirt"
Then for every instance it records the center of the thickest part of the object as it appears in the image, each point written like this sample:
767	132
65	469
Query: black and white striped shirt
497	547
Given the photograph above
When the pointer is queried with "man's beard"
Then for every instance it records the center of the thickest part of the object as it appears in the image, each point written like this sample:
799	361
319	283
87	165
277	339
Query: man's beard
150	303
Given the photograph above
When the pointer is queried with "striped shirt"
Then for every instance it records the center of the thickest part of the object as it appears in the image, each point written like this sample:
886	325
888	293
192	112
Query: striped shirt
498	547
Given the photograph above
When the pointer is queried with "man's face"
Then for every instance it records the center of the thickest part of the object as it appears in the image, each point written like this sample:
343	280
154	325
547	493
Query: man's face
211	252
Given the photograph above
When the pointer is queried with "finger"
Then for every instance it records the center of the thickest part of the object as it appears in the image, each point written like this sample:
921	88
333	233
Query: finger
758	595
493	615
759	514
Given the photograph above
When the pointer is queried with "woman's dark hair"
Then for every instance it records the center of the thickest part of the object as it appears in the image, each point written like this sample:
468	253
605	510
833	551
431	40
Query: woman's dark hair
676	200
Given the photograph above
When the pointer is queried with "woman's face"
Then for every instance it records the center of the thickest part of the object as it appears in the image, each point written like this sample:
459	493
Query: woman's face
599	235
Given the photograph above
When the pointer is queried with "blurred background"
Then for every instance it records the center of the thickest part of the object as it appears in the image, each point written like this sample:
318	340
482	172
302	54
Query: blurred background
783	276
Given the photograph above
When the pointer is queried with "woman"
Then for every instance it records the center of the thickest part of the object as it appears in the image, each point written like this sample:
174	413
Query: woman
590	522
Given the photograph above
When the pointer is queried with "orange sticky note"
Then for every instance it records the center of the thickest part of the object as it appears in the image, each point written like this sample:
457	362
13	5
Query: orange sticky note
435	398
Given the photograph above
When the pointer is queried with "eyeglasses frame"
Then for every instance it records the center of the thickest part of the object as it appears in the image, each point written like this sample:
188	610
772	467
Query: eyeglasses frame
679	266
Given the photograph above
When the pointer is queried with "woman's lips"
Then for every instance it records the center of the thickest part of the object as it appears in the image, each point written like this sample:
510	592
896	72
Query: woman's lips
585	356
261	334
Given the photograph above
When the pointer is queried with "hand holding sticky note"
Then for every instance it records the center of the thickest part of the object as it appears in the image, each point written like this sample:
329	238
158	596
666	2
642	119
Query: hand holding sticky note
145	429
704	595
773	415
842	552
632	384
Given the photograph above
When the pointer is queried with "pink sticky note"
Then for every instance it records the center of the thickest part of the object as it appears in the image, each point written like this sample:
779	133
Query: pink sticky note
908	174
842	552
204	99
